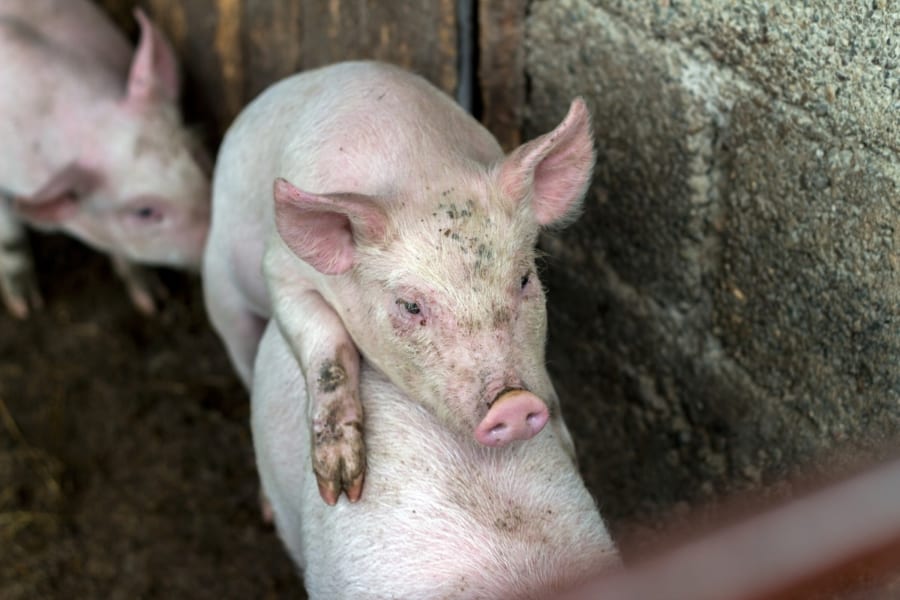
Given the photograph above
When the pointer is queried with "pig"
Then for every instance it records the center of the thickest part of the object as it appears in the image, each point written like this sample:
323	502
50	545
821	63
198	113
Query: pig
94	146
442	516
366	212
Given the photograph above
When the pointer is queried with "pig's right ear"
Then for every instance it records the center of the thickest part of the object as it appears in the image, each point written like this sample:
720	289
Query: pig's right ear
324	230
552	172
59	198
154	69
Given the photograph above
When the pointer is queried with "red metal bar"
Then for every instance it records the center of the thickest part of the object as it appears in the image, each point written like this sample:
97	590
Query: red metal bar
830	539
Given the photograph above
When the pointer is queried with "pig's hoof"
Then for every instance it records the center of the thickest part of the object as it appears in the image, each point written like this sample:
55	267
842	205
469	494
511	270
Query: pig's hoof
339	459
146	293
20	292
143	285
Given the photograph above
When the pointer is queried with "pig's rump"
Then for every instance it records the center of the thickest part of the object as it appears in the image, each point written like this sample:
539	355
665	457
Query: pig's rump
439	517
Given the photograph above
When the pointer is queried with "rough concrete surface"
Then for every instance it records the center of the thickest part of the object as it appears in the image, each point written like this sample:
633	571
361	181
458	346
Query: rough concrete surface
730	299
126	464
839	61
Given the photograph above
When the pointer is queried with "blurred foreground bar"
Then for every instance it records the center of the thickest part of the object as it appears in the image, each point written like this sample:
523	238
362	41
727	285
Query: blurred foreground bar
841	542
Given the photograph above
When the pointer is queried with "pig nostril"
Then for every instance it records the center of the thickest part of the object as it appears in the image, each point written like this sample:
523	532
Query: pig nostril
514	415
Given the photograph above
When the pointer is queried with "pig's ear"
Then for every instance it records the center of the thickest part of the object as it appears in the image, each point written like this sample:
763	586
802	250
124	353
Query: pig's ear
154	68
324	230
59	198
554	170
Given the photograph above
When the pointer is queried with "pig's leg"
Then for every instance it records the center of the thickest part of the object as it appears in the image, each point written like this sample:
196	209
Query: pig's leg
241	331
142	284
238	326
330	361
18	283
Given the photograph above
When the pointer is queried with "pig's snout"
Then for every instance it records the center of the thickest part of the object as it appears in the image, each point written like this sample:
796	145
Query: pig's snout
514	415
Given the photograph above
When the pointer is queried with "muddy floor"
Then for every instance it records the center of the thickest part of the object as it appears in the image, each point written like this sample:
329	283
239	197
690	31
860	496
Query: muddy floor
126	468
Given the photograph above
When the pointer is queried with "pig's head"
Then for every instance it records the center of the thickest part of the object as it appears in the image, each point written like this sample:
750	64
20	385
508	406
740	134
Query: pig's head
442	293
140	185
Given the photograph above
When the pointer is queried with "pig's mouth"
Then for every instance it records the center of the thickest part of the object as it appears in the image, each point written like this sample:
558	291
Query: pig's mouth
505	390
493	387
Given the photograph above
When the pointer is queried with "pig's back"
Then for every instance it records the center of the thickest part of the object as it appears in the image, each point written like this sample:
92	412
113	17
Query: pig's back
363	127
381	131
439	517
77	26
55	76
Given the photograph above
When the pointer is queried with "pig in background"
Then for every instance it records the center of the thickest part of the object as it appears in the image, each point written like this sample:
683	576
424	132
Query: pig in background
398	229
94	146
442	516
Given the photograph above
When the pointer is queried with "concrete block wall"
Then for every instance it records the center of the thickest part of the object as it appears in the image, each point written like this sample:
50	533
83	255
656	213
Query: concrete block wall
727	311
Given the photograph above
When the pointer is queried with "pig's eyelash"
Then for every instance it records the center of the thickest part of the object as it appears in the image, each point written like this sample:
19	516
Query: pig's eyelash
412	308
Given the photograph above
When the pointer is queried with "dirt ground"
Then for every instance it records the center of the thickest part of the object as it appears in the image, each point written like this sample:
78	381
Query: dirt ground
126	467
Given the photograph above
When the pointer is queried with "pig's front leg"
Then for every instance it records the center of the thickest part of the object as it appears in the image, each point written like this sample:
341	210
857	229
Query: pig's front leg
18	283
142	284
330	361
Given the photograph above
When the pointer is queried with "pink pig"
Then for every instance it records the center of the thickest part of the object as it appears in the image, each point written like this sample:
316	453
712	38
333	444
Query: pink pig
93	145
442	516
367	212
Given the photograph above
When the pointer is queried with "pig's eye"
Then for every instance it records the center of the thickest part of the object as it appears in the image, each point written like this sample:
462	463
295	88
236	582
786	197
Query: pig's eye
411	307
148	214
525	278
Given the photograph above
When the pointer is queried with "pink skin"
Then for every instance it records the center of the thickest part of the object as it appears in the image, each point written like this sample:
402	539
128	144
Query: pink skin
424	320
329	233
121	212
441	516
332	233
115	169
415	250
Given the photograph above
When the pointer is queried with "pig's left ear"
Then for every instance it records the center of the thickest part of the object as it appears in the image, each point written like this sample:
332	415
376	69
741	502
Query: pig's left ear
59	198
154	68
325	230
553	170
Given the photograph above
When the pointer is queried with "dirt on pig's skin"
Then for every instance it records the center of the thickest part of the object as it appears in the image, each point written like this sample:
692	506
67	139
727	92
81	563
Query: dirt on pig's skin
126	464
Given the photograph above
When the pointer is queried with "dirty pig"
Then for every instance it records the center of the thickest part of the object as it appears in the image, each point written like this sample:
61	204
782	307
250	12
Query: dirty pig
94	146
369	214
442	516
